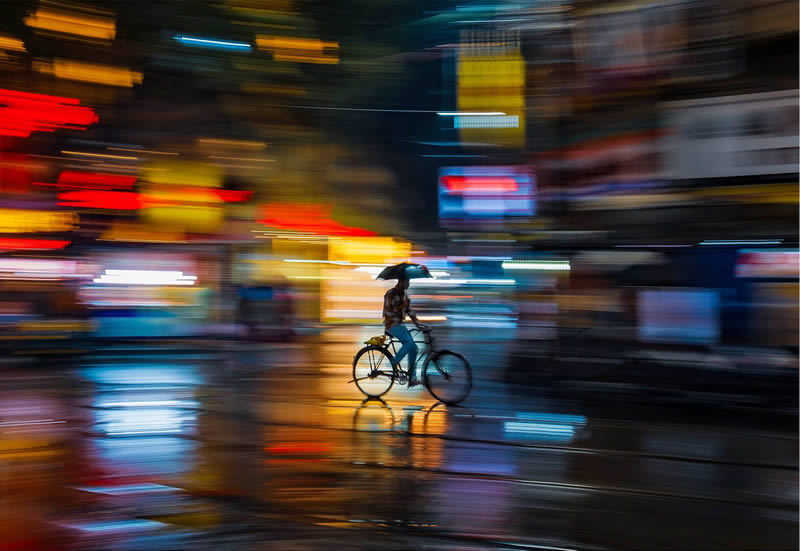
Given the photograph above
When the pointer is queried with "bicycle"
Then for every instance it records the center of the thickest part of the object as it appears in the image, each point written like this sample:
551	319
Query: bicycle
446	374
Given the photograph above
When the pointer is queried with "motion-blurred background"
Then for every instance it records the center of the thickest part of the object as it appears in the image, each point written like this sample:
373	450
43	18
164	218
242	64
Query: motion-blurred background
606	193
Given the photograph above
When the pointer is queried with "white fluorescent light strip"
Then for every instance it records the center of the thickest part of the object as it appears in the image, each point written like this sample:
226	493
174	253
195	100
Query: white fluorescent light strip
546	428
304	261
445	282
745	242
537	265
489	121
145	277
149	403
470	113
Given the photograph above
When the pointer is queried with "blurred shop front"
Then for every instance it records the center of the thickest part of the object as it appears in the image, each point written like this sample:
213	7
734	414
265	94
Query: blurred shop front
152	291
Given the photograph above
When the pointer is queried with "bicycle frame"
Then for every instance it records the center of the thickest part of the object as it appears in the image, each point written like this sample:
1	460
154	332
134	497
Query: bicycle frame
428	341
430	355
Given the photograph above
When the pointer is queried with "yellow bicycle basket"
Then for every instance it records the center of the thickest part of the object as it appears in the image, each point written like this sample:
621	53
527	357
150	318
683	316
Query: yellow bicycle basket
377	341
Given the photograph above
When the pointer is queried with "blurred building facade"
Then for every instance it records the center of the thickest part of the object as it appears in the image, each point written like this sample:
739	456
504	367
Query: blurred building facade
236	136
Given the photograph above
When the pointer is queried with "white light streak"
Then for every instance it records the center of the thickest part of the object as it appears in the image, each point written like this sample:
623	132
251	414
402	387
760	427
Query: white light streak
746	242
470	113
451	282
145	277
536	265
148	403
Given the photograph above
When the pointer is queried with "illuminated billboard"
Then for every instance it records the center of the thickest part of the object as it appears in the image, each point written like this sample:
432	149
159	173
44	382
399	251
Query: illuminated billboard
485	195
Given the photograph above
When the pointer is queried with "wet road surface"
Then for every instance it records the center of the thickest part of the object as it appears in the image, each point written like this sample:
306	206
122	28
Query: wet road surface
249	446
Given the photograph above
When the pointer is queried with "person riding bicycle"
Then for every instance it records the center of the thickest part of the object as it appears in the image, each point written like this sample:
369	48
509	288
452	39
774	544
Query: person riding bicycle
396	305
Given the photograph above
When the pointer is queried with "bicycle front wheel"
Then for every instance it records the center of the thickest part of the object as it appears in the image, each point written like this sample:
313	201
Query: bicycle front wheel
448	377
373	371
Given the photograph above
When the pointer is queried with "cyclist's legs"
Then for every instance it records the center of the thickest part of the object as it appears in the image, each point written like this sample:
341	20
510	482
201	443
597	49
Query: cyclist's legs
401	333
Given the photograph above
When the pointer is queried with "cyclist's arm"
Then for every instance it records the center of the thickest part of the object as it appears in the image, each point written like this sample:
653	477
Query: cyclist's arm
411	314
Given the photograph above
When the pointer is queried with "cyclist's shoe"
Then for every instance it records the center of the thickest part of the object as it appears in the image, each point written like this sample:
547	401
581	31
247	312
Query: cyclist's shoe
412	381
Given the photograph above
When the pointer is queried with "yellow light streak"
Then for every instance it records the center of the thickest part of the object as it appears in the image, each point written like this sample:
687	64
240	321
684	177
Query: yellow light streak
249	159
115	168
30	221
12	44
320	60
94	27
89	72
143	151
290	43
247	167
233	143
301	50
103	155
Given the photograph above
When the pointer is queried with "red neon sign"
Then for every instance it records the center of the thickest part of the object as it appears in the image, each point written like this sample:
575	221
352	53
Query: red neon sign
22	113
32	244
307	218
480	184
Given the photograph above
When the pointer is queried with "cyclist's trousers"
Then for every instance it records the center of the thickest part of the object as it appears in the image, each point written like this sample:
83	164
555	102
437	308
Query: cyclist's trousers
409	347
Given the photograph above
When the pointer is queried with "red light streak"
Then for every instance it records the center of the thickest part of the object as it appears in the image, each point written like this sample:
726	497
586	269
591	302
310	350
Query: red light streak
307	218
38	97
112	200
232	196
36	244
480	184
127	200
91	180
22	113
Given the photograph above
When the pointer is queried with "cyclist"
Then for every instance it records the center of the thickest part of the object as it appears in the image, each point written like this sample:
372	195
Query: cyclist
396	305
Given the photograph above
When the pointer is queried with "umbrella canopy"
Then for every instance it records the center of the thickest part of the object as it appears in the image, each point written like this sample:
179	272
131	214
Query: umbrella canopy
405	270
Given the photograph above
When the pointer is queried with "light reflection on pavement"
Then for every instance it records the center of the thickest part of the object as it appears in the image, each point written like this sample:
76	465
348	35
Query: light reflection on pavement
271	447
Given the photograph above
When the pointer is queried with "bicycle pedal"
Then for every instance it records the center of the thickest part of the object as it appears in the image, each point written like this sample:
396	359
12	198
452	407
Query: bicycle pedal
402	378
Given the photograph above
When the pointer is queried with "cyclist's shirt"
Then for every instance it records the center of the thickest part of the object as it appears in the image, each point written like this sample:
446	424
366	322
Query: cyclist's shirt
395	307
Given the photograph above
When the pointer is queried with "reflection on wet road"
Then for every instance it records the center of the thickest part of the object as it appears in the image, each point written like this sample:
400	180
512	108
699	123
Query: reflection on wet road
251	447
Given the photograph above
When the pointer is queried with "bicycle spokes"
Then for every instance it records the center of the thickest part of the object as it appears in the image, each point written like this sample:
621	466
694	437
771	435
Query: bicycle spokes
369	372
448	377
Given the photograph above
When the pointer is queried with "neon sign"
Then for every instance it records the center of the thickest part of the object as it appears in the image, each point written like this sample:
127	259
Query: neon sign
485	194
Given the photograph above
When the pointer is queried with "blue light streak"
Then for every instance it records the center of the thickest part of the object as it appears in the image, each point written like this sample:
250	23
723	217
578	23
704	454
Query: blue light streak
208	43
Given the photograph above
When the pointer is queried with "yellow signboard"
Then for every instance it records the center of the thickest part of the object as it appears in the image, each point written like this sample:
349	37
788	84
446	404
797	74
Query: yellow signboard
378	250
491	79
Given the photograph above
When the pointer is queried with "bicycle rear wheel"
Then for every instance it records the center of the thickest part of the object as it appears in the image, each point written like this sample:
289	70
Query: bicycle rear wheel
373	371
448	377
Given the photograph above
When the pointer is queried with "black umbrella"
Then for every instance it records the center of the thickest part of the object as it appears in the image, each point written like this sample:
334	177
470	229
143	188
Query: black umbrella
405	270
